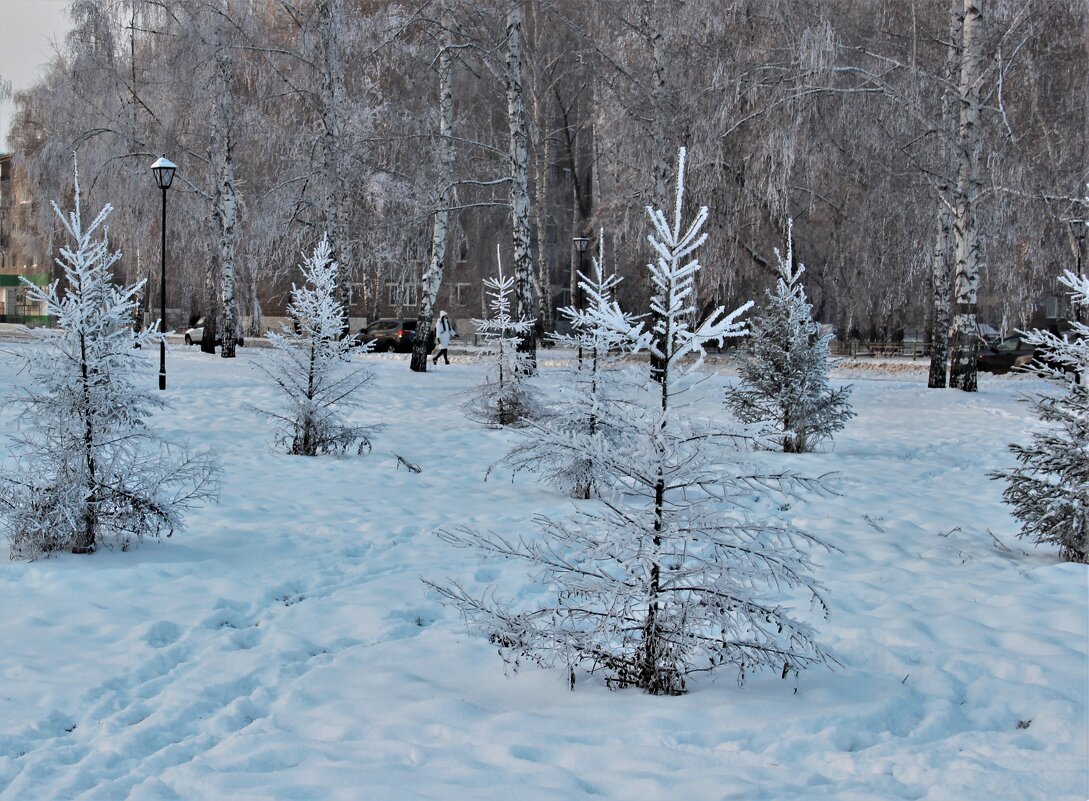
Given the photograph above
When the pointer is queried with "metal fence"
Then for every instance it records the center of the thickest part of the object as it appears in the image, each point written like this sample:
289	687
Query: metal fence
855	347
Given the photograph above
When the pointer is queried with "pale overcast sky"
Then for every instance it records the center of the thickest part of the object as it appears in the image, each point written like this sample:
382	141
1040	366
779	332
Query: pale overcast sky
27	30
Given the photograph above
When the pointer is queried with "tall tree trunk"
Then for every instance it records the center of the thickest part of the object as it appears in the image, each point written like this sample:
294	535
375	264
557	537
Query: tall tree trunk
941	272
941	286
963	373
542	184
432	279
333	145
580	197
226	202
659	121
211	307
659	135
519	185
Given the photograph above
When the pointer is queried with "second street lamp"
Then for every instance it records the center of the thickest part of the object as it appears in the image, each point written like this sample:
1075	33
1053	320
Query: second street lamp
164	176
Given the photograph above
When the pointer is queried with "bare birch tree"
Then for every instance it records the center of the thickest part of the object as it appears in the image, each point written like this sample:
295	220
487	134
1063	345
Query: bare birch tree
433	275
523	273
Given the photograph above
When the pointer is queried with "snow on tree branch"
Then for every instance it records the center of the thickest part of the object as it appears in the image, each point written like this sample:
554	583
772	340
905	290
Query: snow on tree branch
587	413
784	367
504	398
1049	490
89	469
311	367
669	574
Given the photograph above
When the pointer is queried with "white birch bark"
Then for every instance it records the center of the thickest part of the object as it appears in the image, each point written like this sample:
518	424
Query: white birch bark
942	262
542	185
432	278
941	284
659	134
659	122
965	229
226	203
334	167
519	187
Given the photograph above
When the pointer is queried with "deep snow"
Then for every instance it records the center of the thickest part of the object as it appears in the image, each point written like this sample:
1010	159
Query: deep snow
283	647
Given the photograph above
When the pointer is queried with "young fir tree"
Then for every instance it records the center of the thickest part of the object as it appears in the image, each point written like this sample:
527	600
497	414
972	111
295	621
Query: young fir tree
311	366
588	413
504	398
670	575
89	469
1049	491
784	367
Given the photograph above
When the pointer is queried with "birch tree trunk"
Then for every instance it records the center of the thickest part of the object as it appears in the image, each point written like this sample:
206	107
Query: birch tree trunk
519	186
659	134
542	185
226	206
580	196
659	123
432	279
941	285
942	264
966	234
335	173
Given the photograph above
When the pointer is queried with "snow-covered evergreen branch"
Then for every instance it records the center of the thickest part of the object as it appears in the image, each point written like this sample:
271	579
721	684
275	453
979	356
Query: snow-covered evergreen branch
784	367
587	413
89	469
504	398
669	575
1049	490
311	367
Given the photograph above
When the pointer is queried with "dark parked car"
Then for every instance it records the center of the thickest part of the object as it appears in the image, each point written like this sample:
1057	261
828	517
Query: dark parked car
390	335
1009	353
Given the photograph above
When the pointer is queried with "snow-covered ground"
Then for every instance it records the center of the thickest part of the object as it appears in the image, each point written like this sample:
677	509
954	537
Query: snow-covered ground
283	646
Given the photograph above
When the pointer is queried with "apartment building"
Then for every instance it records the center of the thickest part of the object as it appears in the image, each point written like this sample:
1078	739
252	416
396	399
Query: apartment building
17	261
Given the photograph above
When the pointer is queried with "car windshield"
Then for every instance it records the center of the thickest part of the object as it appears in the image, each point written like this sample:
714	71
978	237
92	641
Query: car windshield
1010	343
384	325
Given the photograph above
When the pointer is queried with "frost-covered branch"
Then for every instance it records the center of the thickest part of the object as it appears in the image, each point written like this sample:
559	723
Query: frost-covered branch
311	367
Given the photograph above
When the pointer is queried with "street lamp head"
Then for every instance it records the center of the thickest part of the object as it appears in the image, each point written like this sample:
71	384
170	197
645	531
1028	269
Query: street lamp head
581	243
164	172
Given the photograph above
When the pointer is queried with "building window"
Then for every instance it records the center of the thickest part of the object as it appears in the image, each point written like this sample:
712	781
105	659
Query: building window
402	294
461	294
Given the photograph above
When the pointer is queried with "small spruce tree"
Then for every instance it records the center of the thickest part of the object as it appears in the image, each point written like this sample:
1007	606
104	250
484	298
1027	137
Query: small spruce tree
784	367
89	469
589	411
669	576
1049	490
504	399
311	366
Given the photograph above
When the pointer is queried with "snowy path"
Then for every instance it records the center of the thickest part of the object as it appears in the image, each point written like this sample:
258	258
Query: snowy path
283	647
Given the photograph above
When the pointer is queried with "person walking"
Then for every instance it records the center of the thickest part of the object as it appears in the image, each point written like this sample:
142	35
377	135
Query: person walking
443	332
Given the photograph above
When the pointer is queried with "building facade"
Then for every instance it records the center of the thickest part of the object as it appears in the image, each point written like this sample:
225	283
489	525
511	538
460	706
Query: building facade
18	263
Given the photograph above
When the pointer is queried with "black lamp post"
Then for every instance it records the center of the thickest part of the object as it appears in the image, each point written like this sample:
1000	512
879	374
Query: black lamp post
581	243
164	177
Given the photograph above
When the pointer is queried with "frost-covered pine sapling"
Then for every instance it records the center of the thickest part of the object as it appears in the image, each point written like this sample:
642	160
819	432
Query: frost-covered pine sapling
89	470
784	367
504	398
588	411
670	575
311	366
1049	491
